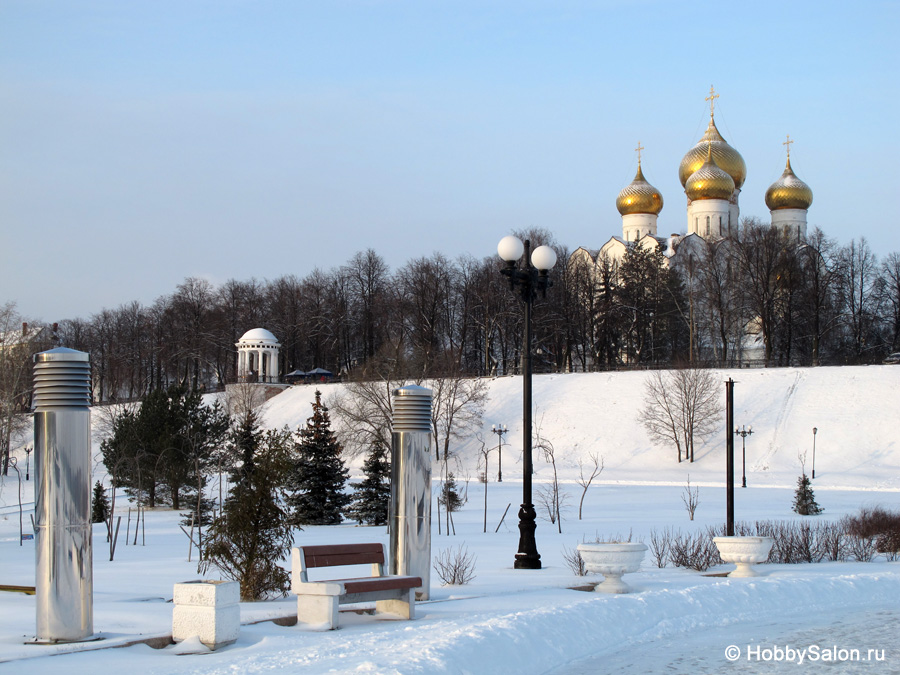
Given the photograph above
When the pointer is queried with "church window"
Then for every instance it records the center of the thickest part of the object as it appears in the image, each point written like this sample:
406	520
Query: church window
697	225
720	226
707	225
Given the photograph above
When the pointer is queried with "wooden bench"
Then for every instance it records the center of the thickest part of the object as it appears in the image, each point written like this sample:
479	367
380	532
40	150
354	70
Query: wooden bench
318	601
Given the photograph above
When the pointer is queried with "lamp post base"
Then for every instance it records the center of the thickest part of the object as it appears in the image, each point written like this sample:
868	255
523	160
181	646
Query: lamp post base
528	557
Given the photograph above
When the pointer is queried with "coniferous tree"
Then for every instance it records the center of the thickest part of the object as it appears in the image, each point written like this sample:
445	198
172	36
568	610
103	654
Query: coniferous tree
371	497
449	497
316	484
99	504
246	541
804	500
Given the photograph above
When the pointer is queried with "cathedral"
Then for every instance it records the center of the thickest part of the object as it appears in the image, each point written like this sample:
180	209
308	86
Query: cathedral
712	174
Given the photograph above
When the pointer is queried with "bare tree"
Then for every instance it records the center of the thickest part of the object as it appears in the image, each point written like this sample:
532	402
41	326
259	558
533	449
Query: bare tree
18	342
549	496
681	407
691	498
584	480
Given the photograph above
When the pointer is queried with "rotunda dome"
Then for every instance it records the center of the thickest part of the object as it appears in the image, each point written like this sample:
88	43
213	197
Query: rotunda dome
258	335
709	181
639	197
726	157
788	192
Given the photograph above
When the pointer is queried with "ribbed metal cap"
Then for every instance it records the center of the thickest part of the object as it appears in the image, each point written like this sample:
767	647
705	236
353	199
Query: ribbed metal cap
411	409
62	378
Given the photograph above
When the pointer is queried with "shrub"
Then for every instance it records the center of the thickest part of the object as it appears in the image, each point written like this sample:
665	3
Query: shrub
455	567
574	561
877	523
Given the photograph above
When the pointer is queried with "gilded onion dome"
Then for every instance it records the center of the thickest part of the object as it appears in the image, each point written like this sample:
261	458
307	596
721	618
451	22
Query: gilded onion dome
788	192
709	181
639	197
726	157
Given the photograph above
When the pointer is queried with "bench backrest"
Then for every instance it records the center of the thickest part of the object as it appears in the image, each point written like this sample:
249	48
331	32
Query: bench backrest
343	554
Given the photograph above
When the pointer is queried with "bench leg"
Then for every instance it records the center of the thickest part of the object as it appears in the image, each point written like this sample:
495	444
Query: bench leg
404	605
318	609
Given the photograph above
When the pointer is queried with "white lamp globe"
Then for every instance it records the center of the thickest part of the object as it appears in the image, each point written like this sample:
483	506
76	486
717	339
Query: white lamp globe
510	248
543	258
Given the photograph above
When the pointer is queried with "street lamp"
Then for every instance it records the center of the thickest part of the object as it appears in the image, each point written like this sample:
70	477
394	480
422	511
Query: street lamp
815	431
27	457
498	429
743	433
529	275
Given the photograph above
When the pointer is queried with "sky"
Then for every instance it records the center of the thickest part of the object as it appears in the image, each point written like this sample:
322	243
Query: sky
145	142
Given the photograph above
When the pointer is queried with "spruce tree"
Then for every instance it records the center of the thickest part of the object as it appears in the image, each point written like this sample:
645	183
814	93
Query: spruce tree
804	500
316	484
449	497
99	504
371	497
252	534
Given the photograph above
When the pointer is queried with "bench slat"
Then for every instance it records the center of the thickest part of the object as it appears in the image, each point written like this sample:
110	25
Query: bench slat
372	584
343	554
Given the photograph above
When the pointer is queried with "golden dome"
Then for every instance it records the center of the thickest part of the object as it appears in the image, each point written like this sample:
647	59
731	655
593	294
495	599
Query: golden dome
788	192
709	181
726	157
639	197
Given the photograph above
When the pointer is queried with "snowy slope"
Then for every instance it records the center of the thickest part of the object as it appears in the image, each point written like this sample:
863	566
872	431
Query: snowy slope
855	409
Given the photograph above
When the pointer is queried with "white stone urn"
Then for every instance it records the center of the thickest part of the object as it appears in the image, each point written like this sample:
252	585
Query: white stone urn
744	552
612	560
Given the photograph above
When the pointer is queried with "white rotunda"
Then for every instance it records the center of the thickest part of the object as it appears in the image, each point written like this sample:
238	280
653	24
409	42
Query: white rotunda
258	356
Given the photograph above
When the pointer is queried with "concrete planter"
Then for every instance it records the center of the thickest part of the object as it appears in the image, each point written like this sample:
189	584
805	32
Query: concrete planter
744	552
209	610
612	560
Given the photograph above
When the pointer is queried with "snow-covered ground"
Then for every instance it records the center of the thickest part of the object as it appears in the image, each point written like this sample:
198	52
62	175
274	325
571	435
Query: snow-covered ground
510	620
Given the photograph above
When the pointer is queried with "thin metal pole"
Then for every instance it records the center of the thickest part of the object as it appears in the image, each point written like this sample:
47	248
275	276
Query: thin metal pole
729	457
815	430
500	456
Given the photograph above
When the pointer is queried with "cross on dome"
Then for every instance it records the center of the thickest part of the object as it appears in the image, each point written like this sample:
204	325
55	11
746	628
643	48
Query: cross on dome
787	144
638	150
712	99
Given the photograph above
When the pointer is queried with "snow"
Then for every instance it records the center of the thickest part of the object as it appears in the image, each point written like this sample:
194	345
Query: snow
530	621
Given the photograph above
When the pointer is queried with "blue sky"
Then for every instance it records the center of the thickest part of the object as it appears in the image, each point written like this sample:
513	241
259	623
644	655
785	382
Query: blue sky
144	142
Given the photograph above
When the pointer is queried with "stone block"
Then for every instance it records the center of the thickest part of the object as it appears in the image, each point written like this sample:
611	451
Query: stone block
208	609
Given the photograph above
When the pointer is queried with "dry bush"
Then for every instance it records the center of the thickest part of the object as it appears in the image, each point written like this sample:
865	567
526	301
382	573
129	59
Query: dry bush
695	551
660	543
574	561
877	523
455	567
861	548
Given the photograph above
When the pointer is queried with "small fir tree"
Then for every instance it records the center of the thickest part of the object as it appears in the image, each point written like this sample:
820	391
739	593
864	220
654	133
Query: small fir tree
316	484
804	500
99	504
371	497
449	497
252	534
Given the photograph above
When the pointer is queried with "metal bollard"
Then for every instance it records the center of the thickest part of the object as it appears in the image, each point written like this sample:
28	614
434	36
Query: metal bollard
62	469
411	486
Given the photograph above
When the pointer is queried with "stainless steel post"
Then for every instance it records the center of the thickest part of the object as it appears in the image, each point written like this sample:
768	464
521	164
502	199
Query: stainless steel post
411	486
62	471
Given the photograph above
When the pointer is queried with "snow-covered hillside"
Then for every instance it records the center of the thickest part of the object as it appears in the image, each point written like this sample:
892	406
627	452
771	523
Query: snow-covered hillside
855	409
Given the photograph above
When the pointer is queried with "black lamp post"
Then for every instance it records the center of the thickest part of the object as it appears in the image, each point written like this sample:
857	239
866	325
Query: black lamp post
27	458
743	433
529	275
499	429
815	431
